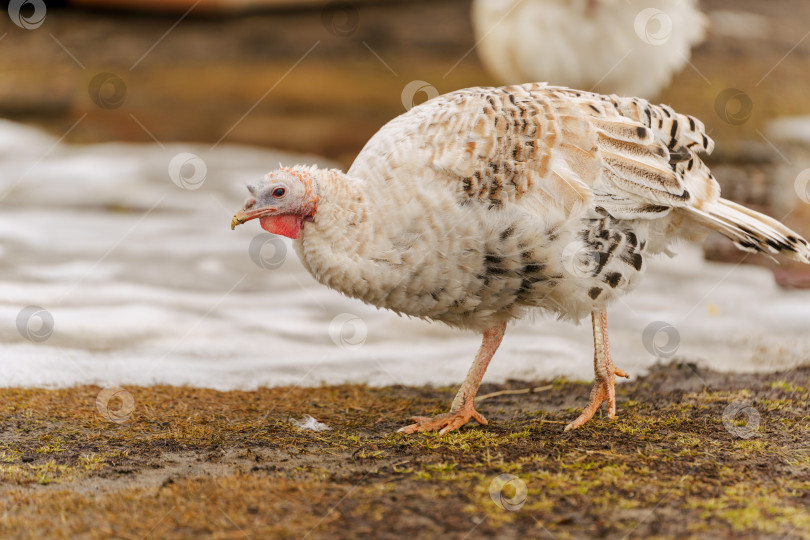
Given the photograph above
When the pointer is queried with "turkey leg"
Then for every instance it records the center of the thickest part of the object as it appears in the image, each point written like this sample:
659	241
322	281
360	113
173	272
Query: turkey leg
463	408
604	373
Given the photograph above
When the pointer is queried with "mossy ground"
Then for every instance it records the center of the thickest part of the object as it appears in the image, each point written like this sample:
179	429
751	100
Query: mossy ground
192	463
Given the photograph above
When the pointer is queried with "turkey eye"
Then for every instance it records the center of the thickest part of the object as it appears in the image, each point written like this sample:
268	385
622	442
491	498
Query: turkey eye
279	192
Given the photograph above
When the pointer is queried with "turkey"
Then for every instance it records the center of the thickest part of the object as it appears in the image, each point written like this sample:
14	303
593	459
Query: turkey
482	205
612	46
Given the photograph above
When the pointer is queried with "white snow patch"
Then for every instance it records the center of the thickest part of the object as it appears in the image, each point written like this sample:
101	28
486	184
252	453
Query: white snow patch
147	285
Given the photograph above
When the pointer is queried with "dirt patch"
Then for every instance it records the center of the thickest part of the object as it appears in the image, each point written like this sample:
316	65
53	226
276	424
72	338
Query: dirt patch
680	460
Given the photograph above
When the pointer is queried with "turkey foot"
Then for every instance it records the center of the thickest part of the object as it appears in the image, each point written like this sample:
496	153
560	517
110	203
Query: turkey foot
603	390
446	422
604	385
463	407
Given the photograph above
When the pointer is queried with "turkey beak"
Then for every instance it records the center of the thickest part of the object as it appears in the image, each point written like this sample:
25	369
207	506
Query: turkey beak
238	218
250	212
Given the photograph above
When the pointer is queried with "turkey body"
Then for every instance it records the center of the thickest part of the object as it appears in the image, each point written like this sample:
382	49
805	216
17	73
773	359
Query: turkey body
471	264
481	204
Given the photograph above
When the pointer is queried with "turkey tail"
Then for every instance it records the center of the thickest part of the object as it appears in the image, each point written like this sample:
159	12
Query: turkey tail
750	230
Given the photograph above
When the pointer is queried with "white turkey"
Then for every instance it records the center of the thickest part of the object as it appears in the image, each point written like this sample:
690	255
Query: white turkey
482	205
627	47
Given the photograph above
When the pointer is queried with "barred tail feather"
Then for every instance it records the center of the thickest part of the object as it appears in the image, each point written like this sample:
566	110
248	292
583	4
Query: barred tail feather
750	230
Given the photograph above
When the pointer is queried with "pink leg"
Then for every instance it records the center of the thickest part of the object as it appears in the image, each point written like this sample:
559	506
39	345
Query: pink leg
462	408
604	374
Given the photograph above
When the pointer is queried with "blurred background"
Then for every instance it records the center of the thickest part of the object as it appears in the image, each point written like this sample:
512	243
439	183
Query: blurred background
130	128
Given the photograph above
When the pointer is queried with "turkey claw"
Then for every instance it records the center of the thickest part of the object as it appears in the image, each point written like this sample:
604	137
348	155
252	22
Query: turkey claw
443	423
603	390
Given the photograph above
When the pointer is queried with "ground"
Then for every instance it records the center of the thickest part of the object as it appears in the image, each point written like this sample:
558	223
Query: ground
693	453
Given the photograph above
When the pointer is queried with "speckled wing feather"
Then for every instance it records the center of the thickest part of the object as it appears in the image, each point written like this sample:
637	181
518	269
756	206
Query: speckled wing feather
554	149
513	145
649	155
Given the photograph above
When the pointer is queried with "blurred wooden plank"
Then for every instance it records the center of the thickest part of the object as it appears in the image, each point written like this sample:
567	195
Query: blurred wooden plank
213	6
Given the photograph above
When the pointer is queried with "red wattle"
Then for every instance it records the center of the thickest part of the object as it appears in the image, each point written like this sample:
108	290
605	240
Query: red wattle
289	226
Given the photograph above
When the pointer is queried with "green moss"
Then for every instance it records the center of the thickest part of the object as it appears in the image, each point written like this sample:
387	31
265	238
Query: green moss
748	446
50	449
786	386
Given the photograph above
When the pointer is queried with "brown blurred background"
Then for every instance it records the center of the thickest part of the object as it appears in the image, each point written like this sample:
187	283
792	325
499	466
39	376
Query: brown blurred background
322	77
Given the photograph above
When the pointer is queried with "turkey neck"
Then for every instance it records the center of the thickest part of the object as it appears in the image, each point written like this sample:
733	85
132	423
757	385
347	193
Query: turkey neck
335	246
